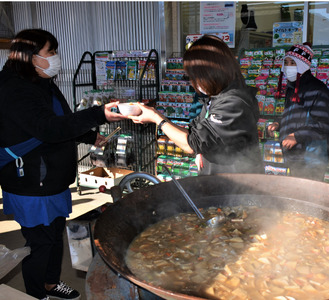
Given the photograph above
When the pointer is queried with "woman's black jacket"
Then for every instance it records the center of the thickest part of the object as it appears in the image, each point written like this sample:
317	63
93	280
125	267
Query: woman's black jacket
225	133
26	111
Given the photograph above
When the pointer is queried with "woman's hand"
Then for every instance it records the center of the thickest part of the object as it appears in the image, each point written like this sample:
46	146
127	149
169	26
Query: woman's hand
174	132
112	116
100	139
271	128
289	141
148	115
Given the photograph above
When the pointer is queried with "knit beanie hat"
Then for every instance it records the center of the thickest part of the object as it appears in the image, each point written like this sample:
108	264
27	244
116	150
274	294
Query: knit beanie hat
302	55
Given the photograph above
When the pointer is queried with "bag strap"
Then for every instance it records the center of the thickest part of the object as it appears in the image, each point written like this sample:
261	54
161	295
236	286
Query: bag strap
19	162
28	145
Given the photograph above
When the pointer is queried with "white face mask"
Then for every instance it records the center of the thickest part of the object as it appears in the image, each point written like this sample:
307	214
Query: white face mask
54	65
290	72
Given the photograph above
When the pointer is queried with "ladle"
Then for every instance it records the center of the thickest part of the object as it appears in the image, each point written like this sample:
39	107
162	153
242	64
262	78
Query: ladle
211	222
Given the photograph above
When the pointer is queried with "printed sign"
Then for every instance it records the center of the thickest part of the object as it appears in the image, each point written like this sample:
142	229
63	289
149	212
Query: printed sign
225	36
191	38
287	33
218	18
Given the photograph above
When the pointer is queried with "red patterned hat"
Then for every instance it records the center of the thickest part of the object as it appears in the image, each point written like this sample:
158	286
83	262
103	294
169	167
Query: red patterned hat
302	55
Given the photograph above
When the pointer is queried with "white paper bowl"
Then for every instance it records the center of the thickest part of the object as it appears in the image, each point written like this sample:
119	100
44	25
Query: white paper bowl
129	109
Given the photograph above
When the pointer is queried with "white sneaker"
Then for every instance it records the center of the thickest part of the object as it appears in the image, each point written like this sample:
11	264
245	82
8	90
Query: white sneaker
63	291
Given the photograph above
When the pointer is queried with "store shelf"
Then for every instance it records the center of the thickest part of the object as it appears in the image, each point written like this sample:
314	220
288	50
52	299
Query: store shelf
134	77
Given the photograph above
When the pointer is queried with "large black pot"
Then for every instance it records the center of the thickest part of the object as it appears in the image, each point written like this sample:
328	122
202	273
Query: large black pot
124	220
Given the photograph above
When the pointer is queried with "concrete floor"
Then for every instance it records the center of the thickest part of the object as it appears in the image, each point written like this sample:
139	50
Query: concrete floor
11	237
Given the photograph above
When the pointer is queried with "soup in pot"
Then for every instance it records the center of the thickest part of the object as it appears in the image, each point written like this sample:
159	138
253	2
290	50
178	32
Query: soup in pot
257	253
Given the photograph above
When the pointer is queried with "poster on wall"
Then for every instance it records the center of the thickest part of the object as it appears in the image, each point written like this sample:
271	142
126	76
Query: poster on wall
287	33
218	18
100	68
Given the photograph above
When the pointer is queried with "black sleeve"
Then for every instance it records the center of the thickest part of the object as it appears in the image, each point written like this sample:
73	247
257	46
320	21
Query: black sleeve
35	115
88	138
229	125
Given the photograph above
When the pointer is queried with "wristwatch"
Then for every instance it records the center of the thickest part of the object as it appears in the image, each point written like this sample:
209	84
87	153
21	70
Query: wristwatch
164	121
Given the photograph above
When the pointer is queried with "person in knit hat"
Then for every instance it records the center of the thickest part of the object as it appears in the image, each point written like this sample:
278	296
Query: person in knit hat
304	126
297	61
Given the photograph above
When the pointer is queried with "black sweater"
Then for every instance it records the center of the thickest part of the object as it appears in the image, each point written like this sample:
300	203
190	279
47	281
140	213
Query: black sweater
314	97
26	111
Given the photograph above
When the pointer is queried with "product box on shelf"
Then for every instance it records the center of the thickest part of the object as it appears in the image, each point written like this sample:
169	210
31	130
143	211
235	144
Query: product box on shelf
176	86
279	107
269	106
174	110
261	127
175	63
168	147
175	75
273	152
181	166
96	177
272	170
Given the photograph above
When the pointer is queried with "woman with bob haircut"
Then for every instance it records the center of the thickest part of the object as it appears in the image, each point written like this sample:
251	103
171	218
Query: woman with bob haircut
38	155
224	135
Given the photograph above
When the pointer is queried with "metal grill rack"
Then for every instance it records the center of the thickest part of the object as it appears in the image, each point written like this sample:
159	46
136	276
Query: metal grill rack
144	136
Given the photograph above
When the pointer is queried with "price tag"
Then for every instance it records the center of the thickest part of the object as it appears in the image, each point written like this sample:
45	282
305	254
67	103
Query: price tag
225	37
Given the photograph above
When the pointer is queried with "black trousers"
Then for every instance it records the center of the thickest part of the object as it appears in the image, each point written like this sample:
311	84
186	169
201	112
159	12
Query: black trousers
44	263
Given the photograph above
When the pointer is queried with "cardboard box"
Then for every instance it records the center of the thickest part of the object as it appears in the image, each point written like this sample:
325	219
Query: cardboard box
96	177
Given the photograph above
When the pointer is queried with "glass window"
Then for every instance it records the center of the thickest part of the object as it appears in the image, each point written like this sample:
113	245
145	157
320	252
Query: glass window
254	20
6	24
255	23
190	19
318	25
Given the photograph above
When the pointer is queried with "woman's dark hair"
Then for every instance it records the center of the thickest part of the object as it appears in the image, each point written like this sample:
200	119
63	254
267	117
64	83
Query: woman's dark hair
24	45
211	65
